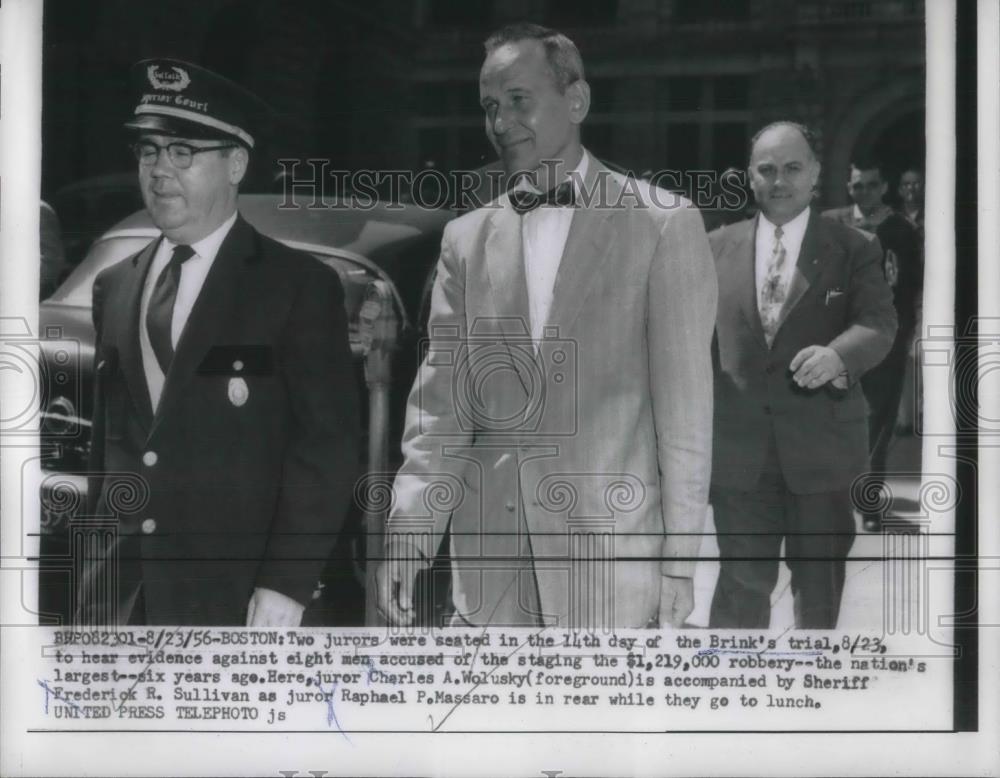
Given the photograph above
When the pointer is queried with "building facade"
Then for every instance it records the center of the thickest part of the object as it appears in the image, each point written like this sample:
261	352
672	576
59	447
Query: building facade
393	84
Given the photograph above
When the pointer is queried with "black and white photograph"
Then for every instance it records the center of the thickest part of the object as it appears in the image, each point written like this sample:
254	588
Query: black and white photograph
551	374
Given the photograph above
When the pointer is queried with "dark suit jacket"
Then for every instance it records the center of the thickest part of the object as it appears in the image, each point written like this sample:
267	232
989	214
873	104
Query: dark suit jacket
898	235
239	495
838	297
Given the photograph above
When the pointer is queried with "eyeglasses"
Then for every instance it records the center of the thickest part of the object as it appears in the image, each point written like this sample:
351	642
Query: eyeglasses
181	155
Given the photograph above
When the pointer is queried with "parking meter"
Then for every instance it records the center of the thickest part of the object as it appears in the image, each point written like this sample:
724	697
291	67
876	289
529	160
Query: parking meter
379	330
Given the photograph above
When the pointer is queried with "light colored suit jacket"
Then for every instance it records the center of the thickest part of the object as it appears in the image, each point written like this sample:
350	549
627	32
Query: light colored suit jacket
585	461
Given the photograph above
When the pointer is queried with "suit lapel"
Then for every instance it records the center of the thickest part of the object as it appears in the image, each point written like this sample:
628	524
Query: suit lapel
505	266
807	269
212	308
591	234
129	349
587	247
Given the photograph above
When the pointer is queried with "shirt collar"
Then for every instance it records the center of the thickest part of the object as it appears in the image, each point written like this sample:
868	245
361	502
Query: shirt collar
791	232
877	217
577	175
208	246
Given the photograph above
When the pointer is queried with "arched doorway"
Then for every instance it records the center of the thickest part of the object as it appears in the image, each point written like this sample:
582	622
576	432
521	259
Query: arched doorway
886	123
899	146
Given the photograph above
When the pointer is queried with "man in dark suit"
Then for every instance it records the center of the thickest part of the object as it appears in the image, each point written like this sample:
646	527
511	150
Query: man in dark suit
223	381
804	312
903	268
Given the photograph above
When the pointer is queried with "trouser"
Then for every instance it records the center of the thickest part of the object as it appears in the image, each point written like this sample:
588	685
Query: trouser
110	589
883	388
818	532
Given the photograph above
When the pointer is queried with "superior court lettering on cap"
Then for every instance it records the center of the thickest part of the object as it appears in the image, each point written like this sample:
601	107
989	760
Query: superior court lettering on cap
183	99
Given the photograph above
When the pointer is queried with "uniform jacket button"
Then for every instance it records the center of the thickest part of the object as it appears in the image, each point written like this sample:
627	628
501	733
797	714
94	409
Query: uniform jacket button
510	506
150	458
148	526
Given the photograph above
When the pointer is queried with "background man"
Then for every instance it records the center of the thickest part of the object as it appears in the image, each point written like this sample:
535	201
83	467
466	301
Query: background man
911	198
224	380
883	385
804	312
582	439
911	208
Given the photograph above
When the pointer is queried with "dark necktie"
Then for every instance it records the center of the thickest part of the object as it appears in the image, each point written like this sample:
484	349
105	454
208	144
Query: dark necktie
524	201
160	313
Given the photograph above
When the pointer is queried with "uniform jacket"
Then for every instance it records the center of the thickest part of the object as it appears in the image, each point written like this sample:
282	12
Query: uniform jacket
230	495
590	455
838	297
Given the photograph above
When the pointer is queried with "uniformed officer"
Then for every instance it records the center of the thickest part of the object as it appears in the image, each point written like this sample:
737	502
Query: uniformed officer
223	382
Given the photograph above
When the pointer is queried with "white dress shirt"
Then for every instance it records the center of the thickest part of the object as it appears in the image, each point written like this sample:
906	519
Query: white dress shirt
792	234
543	239
193	274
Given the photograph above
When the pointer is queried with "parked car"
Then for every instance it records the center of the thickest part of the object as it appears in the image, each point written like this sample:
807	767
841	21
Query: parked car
390	248
87	208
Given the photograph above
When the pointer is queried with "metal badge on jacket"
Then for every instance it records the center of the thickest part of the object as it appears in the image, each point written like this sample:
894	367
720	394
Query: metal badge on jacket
239	392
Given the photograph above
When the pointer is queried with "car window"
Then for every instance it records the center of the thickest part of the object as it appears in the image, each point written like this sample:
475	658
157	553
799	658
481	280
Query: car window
77	288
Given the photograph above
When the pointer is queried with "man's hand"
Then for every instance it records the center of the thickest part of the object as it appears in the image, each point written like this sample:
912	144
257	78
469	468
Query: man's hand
676	600
815	366
269	608
394	580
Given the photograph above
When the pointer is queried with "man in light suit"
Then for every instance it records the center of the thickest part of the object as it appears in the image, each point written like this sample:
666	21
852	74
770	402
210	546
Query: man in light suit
562	403
224	385
804	312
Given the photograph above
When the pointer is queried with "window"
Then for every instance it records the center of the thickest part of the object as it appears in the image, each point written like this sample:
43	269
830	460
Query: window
459	13
602	94
682	146
449	98
702	11
598	138
729	145
474	149
465	97
703	121
683	93
433	100
433	143
732	93
581	13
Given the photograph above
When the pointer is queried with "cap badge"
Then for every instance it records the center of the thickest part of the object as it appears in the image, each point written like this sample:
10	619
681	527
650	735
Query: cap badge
173	79
239	392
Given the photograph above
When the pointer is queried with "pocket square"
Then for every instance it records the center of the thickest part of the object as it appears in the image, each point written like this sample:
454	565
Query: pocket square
833	294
